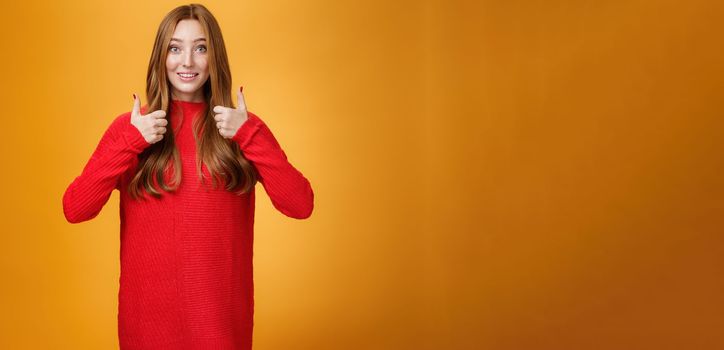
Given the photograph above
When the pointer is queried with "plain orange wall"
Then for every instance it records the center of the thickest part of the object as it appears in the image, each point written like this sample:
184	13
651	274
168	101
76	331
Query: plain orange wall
487	174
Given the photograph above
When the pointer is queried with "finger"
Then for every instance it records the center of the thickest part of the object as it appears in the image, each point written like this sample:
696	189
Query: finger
240	99
161	130
221	109
219	117
157	114
136	110
161	122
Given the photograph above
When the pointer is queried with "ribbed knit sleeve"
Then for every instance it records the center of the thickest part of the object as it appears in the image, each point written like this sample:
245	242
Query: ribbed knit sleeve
116	152
290	192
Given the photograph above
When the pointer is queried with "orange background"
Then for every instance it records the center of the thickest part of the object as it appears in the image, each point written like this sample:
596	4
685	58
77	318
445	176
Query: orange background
487	174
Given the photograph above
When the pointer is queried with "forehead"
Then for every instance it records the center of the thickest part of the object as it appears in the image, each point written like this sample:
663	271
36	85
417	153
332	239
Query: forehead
188	30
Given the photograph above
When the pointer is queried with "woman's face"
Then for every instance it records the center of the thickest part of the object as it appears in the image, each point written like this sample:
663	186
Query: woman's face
187	54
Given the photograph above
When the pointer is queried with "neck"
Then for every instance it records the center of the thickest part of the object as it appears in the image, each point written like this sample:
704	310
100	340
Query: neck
196	98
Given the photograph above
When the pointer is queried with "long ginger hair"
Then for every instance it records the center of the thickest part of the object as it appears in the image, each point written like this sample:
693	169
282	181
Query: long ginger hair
222	157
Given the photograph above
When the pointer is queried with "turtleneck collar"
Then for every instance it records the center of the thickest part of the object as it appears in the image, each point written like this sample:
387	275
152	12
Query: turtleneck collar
191	110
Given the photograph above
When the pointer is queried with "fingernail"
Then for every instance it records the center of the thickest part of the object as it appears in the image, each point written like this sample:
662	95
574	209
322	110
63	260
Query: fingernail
241	89
134	96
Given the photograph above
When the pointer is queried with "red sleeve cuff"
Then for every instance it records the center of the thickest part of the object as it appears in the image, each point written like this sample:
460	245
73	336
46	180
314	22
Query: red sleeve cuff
247	130
133	137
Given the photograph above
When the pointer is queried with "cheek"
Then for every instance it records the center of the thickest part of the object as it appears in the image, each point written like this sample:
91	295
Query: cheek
169	64
205	67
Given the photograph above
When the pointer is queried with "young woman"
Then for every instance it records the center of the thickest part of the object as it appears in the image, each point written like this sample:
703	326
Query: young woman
186	173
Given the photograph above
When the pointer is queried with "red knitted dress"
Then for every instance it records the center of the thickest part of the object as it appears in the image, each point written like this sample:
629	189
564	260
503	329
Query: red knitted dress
186	278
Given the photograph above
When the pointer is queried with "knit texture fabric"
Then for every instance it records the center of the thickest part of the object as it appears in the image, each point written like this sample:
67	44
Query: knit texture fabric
186	279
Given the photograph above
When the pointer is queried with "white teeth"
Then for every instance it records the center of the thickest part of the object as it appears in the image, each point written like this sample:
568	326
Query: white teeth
188	75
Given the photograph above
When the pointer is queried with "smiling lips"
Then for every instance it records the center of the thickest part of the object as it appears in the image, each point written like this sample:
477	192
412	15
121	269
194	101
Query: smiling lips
187	76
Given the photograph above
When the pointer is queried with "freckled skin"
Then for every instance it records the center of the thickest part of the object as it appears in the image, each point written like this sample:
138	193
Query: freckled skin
187	56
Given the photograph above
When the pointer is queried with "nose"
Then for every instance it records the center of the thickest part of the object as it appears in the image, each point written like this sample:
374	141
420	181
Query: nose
188	59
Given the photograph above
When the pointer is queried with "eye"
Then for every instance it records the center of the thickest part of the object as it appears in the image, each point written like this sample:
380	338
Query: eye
202	47
172	47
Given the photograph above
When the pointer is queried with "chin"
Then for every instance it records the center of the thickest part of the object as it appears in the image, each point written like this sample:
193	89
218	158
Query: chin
187	88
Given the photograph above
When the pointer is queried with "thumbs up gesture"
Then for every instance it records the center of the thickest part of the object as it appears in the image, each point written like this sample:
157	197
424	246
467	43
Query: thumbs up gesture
152	126
229	120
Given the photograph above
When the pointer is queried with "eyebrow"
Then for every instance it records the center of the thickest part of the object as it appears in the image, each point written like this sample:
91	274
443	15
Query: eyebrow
179	40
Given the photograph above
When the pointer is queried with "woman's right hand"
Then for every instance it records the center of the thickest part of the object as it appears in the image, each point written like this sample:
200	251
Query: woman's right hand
152	126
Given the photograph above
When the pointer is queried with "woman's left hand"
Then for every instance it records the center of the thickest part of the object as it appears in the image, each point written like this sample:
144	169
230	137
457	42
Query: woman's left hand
229	120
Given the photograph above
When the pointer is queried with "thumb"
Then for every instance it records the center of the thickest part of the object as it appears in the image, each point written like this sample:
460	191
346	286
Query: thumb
136	111
241	104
